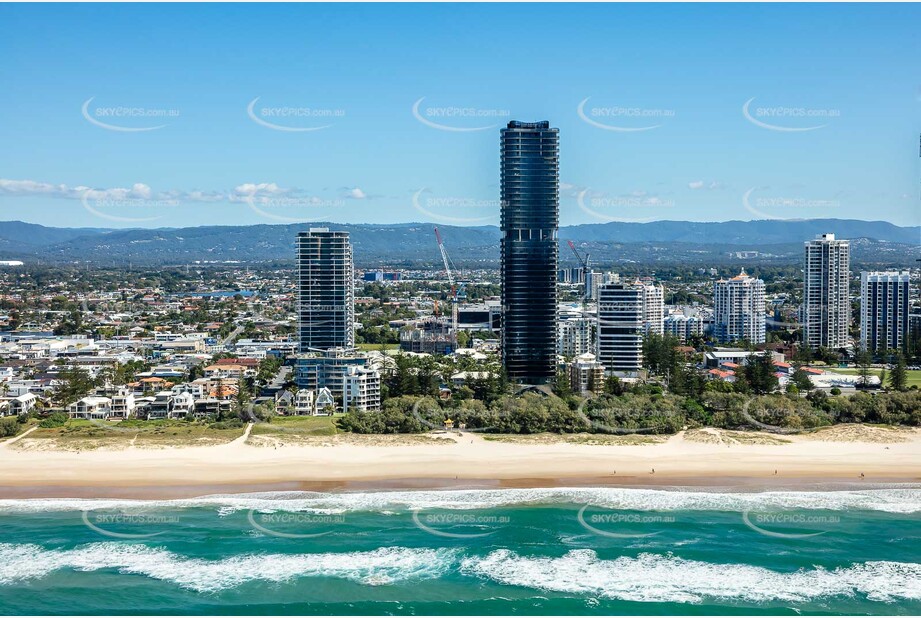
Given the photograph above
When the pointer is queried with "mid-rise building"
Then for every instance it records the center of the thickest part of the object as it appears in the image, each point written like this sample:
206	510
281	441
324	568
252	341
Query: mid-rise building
738	309
430	336
361	389
576	336
627	312
586	375
325	290
529	187
884	311
826	307
684	327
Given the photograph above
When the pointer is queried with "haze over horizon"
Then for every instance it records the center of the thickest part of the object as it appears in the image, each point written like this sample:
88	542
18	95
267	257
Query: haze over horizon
278	114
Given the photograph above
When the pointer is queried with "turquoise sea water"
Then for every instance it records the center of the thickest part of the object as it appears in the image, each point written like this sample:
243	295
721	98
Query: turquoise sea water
509	551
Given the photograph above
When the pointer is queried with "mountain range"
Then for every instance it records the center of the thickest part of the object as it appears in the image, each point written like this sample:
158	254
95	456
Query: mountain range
414	243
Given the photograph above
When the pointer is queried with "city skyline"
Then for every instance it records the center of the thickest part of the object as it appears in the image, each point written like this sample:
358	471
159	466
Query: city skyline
323	137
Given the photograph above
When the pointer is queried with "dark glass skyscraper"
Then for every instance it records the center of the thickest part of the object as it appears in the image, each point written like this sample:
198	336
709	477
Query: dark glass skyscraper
325	292
530	173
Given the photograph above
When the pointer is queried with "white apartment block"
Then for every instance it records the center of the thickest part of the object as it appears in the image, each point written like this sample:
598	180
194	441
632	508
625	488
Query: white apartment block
884	308
575	336
684	327
826	307
738	309
361	389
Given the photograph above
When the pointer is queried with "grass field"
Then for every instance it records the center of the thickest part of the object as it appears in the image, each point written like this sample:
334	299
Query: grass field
81	434
297	425
375	347
914	375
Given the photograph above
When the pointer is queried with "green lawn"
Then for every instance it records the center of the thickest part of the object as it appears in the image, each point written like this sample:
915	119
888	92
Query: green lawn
375	347
914	375
297	425
100	434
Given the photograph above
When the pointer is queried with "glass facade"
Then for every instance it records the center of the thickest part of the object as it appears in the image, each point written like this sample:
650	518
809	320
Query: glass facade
325	295
530	162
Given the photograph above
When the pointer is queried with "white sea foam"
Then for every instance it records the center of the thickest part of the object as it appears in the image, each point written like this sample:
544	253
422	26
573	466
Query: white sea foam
905	499
20	562
665	578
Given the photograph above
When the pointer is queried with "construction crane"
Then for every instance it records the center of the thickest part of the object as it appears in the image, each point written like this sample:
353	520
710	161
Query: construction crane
447	262
586	271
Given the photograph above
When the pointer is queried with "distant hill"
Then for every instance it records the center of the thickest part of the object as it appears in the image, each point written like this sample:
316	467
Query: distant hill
766	232
412	243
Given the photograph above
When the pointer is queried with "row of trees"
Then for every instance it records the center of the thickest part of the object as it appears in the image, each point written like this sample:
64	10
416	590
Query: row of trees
637	411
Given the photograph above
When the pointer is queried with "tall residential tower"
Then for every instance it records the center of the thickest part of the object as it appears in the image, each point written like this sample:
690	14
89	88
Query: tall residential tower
325	290
530	218
738	309
826	302
884	311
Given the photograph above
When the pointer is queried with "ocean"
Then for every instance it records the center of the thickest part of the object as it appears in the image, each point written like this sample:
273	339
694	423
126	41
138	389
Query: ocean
479	551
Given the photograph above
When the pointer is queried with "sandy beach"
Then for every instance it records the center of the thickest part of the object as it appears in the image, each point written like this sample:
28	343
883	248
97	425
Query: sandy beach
250	463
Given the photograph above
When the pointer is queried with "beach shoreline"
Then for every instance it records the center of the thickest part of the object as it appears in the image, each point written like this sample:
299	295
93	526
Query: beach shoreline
458	461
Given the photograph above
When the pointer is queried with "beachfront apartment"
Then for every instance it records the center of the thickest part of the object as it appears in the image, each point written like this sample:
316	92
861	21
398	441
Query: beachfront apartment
91	408
167	404
361	389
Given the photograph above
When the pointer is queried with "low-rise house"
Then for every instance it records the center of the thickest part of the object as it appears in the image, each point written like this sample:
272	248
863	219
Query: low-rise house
284	402
460	378
123	403
304	402
210	407
325	402
167	404
91	408
23	404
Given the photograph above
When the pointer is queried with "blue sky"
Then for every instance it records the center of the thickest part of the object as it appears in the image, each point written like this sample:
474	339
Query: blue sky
831	127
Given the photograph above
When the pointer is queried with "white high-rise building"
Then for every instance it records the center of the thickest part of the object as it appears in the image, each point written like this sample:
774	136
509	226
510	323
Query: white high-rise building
826	307
593	281
653	309
884	310
738	309
626	313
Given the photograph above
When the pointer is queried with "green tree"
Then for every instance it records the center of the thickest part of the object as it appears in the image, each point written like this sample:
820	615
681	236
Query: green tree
758	374
801	380
73	383
898	379
863	360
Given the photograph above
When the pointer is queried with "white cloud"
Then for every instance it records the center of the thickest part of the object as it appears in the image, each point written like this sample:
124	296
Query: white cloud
701	184
264	193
